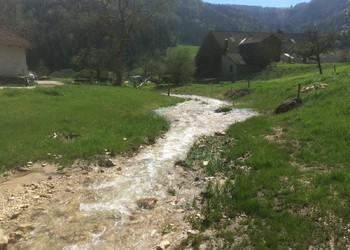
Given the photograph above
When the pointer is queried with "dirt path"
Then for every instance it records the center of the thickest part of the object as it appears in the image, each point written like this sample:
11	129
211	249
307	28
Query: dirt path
46	83
139	203
49	83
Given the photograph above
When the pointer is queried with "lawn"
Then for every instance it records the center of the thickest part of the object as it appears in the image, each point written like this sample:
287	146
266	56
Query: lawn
288	175
69	122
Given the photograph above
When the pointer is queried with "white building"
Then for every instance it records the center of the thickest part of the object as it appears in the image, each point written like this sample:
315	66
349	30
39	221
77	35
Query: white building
13	61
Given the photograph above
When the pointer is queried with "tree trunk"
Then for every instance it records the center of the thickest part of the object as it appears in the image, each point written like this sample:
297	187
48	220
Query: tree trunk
319	64
118	76
119	65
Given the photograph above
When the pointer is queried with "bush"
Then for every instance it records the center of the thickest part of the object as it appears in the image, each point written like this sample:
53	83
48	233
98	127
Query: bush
86	73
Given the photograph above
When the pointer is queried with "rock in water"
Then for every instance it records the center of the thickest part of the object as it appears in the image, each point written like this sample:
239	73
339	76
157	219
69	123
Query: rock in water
147	203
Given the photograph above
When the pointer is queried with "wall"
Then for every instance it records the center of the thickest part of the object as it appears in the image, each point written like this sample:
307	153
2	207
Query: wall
228	69
13	61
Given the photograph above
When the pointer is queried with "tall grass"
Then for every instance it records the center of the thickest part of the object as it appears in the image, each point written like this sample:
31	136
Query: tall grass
34	122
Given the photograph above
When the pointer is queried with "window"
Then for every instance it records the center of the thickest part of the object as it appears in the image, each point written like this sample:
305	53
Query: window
231	68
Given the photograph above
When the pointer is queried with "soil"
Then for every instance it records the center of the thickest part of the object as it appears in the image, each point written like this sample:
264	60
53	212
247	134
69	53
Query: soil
138	202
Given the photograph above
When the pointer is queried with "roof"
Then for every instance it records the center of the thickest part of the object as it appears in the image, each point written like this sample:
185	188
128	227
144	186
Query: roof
237	58
237	37
10	38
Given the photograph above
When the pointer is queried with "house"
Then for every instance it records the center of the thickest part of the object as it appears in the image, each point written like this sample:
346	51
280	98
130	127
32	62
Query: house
13	61
261	51
229	55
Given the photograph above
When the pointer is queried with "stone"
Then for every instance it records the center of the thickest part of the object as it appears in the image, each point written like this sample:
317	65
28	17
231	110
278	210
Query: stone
15	236
98	229
163	245
192	232
23	169
36	197
25	228
14	216
220	133
109	163
6	174
3	240
147	203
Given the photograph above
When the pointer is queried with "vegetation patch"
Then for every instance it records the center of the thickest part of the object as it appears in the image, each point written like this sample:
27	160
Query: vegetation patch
224	109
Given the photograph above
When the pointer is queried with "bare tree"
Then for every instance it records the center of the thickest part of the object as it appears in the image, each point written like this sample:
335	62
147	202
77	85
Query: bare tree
316	43
124	19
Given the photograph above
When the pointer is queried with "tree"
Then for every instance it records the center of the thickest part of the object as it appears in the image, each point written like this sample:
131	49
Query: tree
345	32
91	58
180	65
125	18
316	43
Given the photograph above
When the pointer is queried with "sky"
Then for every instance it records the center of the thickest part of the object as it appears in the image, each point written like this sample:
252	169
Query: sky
264	3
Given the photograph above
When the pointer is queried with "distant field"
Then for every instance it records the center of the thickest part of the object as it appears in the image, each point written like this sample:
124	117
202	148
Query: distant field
288	174
192	49
69	122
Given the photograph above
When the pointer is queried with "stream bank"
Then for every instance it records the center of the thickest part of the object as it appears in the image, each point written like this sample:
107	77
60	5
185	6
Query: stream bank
139	203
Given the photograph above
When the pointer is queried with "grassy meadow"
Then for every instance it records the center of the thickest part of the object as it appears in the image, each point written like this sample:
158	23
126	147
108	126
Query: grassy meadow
287	175
284	179
60	124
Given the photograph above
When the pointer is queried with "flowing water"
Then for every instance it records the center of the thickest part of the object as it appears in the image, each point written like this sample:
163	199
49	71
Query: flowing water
103	215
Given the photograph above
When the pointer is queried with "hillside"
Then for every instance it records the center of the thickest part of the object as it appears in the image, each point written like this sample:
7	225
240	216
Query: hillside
279	181
62	30
198	17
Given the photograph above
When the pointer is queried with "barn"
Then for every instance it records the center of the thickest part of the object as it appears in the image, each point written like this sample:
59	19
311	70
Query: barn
13	61
231	55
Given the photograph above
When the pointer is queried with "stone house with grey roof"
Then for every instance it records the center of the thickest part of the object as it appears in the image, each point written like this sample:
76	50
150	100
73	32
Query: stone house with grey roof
228	55
13	61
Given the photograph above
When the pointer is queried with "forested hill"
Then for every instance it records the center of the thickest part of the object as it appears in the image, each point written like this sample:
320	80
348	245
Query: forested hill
191	19
61	30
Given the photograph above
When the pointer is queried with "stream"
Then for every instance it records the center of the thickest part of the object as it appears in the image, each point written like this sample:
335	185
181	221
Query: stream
104	214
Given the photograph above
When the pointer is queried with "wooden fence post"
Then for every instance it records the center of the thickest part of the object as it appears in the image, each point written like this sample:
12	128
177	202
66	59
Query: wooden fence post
299	89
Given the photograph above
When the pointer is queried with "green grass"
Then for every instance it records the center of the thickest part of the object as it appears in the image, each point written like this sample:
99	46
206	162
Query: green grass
296	191
192	49
101	117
